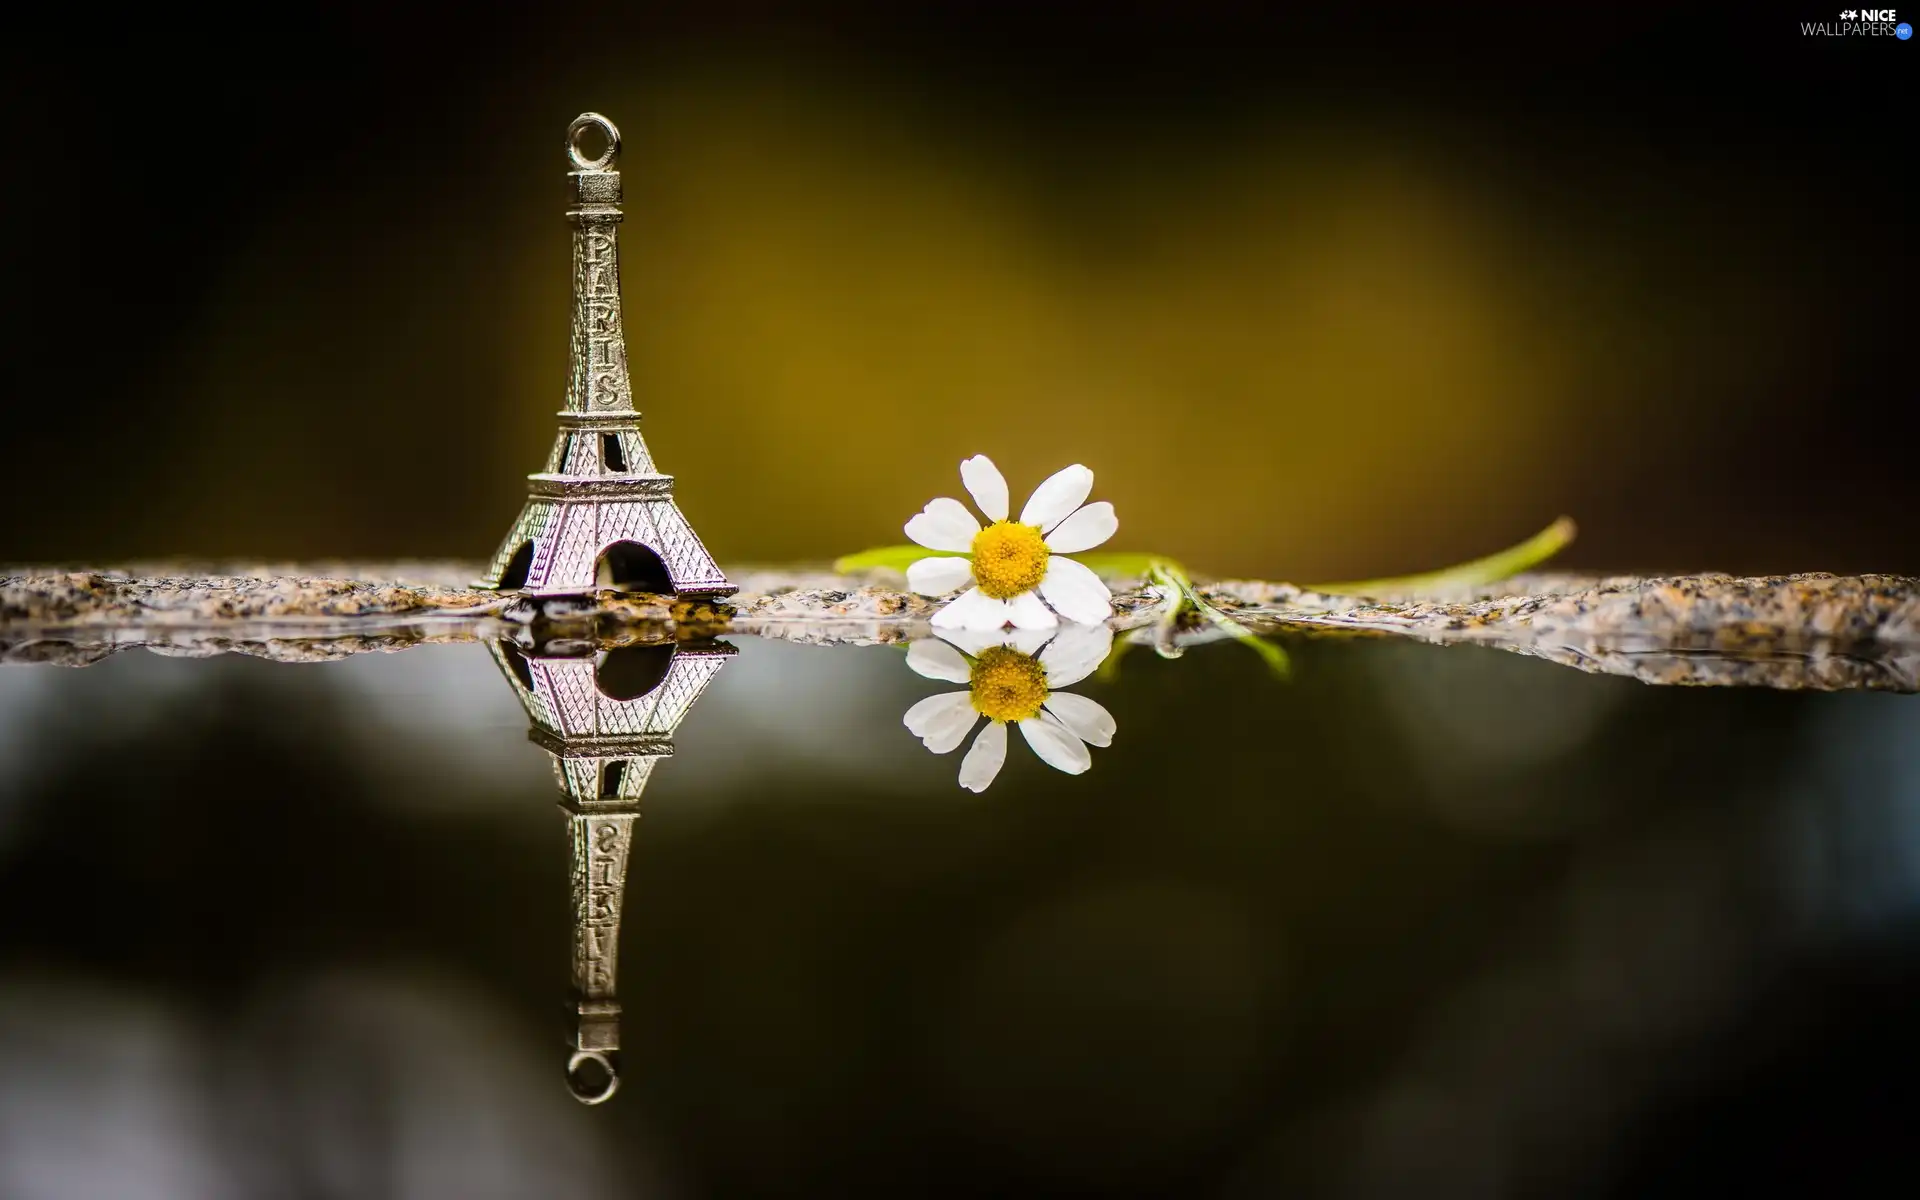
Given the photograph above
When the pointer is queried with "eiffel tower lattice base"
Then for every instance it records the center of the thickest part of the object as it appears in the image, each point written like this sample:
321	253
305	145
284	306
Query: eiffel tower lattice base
557	544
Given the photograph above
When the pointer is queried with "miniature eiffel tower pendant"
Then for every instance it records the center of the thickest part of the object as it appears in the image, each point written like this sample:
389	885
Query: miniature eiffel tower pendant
600	514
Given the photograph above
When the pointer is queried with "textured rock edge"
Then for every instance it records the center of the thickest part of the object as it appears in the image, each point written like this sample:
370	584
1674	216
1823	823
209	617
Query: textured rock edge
1808	630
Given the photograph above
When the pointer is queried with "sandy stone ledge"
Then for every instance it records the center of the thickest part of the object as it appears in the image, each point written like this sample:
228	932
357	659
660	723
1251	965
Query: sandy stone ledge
1797	631
1809	631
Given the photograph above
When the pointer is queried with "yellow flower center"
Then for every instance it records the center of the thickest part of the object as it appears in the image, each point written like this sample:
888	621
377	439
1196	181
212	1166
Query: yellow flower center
1009	558
1008	685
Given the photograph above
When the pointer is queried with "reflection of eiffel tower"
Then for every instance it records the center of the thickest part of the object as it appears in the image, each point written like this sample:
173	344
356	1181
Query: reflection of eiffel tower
600	503
606	718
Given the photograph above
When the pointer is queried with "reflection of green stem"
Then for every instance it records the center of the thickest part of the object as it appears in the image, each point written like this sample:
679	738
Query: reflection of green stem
1502	564
1167	575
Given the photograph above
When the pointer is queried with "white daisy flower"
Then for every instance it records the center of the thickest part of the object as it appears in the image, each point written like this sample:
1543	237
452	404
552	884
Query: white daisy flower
1019	576
1012	680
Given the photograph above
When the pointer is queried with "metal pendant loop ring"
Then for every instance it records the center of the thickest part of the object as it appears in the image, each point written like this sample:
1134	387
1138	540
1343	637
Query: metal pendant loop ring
581	1059
581	124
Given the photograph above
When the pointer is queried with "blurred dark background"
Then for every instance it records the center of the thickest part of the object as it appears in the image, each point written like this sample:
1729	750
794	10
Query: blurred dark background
1320	294
1333	292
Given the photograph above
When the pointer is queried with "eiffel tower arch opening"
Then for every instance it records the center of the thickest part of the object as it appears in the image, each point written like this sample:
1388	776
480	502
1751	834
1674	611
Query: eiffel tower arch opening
630	672
517	663
514	576
632	567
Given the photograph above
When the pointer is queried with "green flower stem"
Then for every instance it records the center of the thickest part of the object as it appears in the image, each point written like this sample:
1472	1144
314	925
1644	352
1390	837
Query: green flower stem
1502	564
887	558
1166	573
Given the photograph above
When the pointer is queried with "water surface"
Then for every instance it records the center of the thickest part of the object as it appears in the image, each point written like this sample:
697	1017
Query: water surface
1415	921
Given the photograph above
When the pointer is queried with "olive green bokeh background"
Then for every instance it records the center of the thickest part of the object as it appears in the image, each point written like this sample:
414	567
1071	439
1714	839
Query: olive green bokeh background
1314	297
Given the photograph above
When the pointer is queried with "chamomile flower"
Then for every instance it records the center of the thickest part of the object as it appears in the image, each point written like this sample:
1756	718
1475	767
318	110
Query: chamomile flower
1017	568
1012	679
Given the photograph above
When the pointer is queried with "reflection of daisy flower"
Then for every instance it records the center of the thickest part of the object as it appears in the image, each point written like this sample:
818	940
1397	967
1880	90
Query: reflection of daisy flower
1009	683
1014	564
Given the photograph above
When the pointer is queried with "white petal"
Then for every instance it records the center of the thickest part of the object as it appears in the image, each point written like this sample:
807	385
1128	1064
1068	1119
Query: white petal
945	524
1073	655
984	757
973	641
1075	592
1055	744
1088	719
1026	612
938	576
1054	501
926	713
1084	530
986	485
972	609
1029	641
942	721
937	660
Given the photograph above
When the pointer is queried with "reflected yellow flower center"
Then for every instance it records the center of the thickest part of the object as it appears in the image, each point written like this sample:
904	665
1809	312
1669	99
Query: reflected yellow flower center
1008	685
1009	558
